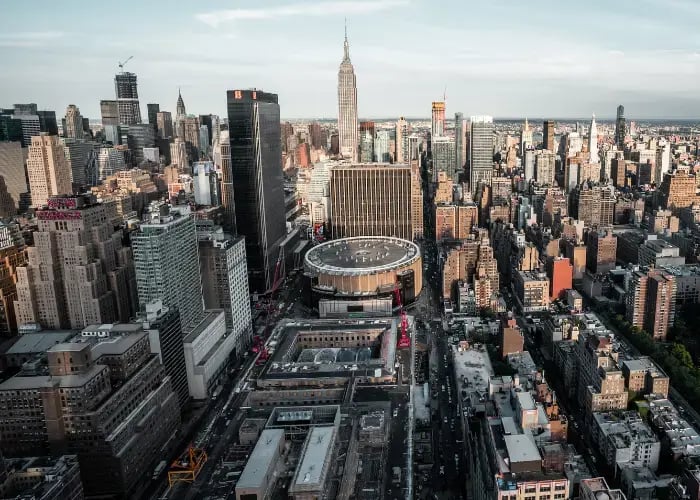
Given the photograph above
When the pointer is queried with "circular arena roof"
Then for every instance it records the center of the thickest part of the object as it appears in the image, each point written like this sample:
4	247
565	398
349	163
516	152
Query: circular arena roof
361	255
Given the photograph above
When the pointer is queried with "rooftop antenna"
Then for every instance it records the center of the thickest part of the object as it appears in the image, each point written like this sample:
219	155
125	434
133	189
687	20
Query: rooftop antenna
444	94
121	64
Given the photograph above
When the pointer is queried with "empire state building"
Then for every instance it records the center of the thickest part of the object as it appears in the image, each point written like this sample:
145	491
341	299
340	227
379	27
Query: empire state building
347	106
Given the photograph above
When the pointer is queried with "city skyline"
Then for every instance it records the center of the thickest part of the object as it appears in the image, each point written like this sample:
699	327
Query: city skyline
525	69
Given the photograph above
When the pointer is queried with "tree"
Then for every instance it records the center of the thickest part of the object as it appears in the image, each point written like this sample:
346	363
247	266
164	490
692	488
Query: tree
682	355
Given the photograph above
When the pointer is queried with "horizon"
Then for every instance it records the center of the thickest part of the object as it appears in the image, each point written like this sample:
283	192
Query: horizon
298	46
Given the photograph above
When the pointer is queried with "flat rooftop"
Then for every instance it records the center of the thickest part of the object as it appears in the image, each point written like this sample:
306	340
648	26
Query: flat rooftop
319	445
38	342
365	253
261	459
521	448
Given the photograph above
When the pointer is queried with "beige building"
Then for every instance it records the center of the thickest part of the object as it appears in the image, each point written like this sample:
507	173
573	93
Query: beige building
651	301
532	290
373	199
678	190
78	272
74	123
643	376
443	192
48	170
416	200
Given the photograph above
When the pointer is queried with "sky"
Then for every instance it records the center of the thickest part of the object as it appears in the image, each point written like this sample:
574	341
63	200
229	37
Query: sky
506	58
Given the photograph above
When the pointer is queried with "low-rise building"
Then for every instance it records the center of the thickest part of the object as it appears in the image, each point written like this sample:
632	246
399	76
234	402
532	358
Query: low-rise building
41	478
643	376
532	291
623	438
259	474
207	352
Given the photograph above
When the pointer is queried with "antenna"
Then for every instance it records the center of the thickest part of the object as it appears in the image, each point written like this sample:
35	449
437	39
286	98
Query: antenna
444	94
121	64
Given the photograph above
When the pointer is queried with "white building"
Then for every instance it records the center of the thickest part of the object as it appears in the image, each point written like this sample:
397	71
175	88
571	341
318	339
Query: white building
207	350
109	162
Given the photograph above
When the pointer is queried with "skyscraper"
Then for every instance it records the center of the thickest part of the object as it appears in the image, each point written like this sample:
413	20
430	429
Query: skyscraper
481	144
127	98
167	262
12	157
367	142
347	105
438	121
443	156
593	142
78	273
548	135
254	134
222	159
180	110
109	111
525	137
459	143
382	148
74	123
402	152
48	170
153	110
620	127
164	123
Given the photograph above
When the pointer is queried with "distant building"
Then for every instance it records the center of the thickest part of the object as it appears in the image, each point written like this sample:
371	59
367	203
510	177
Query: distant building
620	127
48	170
548	135
444	156
12	157
164	124
651	301
367	134
347	106
73	123
438	120
601	251
481	145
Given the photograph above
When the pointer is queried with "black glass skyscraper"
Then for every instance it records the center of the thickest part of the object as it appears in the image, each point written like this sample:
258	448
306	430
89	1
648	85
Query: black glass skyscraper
256	172
620	127
153	110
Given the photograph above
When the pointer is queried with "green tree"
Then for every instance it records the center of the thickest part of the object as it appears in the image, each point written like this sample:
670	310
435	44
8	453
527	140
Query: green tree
682	355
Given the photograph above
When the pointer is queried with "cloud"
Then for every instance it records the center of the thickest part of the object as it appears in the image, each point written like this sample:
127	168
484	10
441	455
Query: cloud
332	8
29	38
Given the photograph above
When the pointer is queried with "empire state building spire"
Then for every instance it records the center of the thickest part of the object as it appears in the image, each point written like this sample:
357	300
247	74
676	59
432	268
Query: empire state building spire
347	105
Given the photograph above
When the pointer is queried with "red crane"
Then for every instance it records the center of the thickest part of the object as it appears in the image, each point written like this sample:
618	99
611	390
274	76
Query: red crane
404	340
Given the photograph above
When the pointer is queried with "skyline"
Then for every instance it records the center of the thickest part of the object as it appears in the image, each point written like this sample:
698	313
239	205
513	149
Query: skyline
523	62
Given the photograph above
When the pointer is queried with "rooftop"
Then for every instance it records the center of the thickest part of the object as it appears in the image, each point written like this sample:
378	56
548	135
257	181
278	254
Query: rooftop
521	448
361	254
38	342
319	445
36	382
261	459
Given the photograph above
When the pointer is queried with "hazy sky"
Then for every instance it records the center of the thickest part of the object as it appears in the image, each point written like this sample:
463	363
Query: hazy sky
507	58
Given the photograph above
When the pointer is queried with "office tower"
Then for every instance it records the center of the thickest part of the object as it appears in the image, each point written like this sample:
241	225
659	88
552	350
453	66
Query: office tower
109	111
48	122
206	184
222	262
101	395
191	136
110	160
207	121
10	127
12	157
459	142
481	142
12	256
545	167
601	251
620	127
382	146
651	301
165	338
416	200
78	272
371	200
254	133
317	135
48	170
286	135
164	123
127	98
526	137
81	158
548	135
529	165
167	262
138	137
443	156
593	142
347	105
73	128
402	131
178	155
222	159
204	140
367	134
153	110
180	110
437	128
21	127
594	205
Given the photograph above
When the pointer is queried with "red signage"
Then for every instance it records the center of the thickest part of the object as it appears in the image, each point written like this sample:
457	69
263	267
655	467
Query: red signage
62	215
62	203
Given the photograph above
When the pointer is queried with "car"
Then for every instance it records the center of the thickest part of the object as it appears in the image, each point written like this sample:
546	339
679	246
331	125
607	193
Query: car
444	419
442	470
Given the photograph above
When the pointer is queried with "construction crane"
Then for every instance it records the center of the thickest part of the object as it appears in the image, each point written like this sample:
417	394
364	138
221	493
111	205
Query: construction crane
404	340
187	467
121	64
